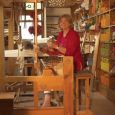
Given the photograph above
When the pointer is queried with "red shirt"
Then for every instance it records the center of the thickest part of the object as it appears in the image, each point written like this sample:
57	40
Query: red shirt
72	44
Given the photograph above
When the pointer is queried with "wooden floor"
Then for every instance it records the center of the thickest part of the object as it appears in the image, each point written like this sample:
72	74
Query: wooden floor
102	106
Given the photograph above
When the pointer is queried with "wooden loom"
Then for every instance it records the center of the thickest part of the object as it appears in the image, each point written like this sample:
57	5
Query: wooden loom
45	82
50	82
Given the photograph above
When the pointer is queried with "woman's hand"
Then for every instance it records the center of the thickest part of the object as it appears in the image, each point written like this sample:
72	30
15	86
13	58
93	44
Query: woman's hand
49	44
54	45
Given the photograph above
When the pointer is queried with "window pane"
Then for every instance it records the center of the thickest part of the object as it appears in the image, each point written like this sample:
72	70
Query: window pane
39	17
30	6
27	17
24	30
40	23
39	6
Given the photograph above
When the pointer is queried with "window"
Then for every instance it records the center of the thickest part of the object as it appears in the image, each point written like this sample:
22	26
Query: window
27	21
24	30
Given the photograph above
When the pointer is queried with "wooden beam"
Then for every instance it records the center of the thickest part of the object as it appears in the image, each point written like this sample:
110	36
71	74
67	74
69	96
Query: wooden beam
11	61
5	2
45	22
96	53
16	53
46	111
28	78
84	113
84	75
2	70
68	85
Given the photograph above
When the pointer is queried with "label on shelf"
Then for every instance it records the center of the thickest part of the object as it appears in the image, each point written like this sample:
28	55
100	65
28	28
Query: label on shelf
105	65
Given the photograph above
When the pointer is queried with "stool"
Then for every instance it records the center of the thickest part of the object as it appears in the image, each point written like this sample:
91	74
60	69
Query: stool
86	76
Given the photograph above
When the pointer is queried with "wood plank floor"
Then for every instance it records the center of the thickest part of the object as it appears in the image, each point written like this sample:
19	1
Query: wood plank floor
102	106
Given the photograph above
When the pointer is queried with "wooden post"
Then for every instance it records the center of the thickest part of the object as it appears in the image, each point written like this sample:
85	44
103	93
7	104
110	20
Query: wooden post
2	70
36	23
77	95
11	62
36	49
45	27
36	98
68	85
87	94
96	53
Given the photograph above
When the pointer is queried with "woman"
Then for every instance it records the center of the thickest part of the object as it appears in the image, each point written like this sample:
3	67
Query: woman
67	43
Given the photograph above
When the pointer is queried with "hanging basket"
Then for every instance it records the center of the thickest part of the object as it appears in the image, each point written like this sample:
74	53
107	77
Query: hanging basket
32	30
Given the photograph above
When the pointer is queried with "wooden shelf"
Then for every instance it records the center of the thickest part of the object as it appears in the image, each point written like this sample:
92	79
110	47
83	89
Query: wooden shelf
108	42
98	14
110	59
97	18
103	13
107	26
